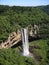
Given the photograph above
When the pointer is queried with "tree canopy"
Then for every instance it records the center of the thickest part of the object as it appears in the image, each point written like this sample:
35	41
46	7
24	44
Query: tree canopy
11	17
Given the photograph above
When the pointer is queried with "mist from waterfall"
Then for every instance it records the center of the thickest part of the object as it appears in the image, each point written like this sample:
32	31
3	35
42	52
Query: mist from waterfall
25	42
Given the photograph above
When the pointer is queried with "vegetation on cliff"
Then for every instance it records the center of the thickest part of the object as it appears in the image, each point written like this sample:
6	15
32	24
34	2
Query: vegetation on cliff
13	17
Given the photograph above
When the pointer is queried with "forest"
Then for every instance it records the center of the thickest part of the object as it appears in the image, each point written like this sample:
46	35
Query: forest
11	17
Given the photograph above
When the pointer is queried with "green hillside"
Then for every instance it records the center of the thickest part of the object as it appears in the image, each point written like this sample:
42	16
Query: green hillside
45	8
11	17
39	50
14	17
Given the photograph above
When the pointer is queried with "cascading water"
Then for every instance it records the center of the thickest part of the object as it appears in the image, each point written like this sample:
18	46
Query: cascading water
25	42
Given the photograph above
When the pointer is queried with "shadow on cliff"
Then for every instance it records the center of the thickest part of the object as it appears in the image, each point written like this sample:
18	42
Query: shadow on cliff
30	40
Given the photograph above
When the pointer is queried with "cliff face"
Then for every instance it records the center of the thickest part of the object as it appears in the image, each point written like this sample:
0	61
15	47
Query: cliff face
15	37
12	17
12	40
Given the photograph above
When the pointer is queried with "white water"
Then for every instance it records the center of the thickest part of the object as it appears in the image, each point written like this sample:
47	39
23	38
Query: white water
25	42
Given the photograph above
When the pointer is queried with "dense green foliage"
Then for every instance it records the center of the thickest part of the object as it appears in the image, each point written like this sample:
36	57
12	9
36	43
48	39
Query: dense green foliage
12	57
39	50
13	17
45	8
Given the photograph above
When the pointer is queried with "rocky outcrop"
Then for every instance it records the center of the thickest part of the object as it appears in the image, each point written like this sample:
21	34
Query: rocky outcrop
12	40
15	37
34	30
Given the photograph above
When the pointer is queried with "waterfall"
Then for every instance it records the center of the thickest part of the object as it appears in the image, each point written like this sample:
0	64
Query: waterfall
25	42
